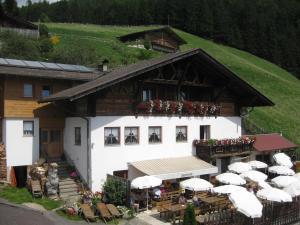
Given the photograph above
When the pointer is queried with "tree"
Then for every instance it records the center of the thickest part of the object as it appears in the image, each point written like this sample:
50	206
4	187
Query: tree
11	7
189	215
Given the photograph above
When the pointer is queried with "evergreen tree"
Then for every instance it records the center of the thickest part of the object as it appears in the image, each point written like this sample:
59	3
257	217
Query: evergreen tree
11	7
189	215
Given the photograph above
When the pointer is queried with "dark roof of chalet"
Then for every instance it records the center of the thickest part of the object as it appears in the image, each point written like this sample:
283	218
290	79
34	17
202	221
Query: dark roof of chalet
272	142
17	22
141	34
25	68
133	70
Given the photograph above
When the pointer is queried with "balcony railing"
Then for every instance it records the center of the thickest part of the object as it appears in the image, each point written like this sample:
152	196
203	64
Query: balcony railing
178	108
222	147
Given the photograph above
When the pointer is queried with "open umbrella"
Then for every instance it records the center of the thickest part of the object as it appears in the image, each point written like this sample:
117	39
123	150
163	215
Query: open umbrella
257	164
254	175
293	189
239	167
281	170
283	181
227	189
263	184
230	178
297	175
196	184
145	182
283	160
274	195
246	203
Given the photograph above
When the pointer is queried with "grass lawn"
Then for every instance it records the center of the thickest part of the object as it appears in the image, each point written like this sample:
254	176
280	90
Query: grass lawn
22	195
274	82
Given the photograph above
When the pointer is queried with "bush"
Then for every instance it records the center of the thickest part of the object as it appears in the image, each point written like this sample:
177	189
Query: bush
46	45
44	18
147	43
44	31
189	216
114	192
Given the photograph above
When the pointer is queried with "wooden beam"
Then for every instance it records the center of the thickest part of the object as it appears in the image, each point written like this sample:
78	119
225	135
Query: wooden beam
175	82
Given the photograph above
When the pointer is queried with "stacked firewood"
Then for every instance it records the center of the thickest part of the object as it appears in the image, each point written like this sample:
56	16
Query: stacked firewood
3	171
52	180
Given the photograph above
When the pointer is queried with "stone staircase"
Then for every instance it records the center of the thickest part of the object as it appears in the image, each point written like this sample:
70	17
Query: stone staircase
68	187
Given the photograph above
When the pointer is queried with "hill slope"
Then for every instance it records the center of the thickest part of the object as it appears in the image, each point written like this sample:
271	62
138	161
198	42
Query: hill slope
276	83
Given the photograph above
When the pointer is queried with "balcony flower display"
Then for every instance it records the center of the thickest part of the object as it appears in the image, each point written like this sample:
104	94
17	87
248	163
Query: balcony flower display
225	142
178	107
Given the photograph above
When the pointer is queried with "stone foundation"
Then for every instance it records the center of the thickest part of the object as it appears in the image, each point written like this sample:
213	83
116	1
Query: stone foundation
3	168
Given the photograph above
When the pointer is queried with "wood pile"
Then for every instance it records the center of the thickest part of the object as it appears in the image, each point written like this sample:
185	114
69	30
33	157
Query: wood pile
52	180
3	169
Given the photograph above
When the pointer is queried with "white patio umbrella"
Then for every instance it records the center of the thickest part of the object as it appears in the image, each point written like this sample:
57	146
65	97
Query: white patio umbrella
274	195
145	182
254	175
246	203
281	170
196	184
257	164
230	178
283	160
293	189
283	181
263	184
227	189
239	167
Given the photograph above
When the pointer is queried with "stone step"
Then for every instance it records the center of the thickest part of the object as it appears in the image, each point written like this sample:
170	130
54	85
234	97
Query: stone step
67	181
70	196
66	186
69	190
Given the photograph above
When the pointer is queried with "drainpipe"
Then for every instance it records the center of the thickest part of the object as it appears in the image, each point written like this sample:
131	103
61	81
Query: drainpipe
88	150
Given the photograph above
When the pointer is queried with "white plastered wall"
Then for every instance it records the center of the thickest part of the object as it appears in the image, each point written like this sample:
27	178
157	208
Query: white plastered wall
106	159
76	153
21	150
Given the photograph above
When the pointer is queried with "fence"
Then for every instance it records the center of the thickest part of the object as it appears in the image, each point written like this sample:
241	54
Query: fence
24	32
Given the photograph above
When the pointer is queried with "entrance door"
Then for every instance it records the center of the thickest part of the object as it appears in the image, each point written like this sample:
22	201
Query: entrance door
51	143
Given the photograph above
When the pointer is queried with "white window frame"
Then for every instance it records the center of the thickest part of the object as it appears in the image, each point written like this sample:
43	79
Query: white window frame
28	133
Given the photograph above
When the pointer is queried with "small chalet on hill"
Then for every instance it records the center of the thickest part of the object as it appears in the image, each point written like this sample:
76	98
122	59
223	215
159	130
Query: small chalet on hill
173	117
18	25
162	39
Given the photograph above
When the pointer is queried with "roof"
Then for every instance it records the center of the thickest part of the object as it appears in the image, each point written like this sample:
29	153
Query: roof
18	22
141	34
13	67
272	142
133	70
172	168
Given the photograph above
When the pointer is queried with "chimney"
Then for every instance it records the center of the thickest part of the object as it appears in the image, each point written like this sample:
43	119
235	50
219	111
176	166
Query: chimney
104	66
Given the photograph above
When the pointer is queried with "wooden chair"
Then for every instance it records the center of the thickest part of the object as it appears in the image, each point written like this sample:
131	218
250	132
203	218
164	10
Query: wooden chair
104	213
114	210
88	212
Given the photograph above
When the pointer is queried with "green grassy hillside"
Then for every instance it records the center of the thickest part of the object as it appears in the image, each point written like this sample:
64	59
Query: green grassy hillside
276	83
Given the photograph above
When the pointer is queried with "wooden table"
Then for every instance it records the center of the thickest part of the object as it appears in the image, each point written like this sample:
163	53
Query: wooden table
173	210
211	200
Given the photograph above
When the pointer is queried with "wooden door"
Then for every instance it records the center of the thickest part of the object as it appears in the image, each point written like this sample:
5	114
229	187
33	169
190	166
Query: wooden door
51	143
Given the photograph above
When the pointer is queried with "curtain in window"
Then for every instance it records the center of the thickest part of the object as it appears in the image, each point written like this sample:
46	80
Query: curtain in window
181	134
28	128
154	134
131	135
111	136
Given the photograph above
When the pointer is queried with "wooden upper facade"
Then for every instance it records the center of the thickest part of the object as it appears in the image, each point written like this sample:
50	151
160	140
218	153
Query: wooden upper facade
190	78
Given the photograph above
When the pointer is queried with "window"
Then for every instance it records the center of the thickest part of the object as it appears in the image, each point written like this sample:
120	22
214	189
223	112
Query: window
154	134
131	135
46	91
181	133
112	135
147	95
204	132
55	136
77	135
28	90
28	128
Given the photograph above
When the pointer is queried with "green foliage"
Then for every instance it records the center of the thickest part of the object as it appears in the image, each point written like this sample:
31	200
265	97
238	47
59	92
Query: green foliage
147	43
44	18
189	215
114	191
44	31
46	45
11	7
22	195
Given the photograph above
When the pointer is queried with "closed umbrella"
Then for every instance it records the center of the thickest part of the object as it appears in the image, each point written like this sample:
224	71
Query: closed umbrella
227	189
239	167
293	189
283	160
145	182
230	178
283	181
246	203
254	175
196	184
255	164
281	170
274	195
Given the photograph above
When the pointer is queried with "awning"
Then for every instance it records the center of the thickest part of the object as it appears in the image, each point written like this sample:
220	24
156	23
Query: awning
172	168
272	142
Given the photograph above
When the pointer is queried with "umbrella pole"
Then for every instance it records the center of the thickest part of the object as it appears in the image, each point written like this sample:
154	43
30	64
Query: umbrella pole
147	199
